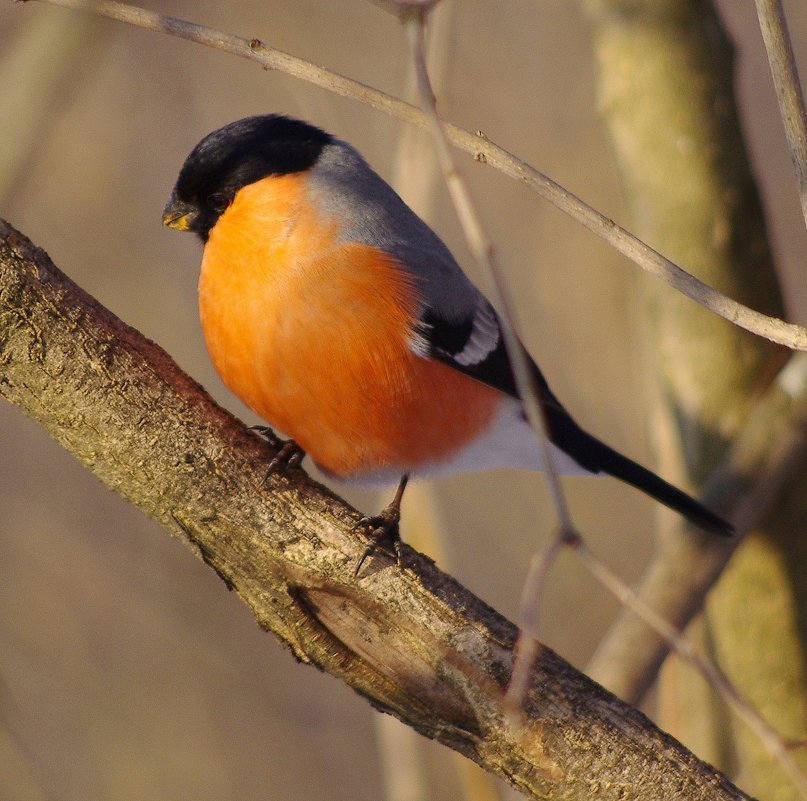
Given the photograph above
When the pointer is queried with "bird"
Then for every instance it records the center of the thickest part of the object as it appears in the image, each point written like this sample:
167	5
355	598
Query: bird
339	317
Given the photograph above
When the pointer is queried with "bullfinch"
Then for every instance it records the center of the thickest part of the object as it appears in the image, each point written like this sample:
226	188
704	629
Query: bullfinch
339	317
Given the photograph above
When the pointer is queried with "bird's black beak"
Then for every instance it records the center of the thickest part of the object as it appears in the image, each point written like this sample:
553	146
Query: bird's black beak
179	215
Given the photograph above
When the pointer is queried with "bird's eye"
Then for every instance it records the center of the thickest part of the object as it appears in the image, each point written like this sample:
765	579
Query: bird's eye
219	201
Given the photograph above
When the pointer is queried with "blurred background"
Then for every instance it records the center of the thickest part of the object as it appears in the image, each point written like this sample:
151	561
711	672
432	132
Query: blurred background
127	671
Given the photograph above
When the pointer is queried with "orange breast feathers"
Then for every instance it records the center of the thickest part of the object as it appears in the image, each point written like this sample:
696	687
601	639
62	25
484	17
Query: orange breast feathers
314	335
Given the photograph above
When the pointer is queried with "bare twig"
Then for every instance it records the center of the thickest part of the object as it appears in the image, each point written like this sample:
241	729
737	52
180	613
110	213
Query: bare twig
483	251
773	24
401	759
528	646
483	150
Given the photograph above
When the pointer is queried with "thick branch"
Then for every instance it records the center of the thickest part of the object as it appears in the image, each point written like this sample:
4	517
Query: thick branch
412	641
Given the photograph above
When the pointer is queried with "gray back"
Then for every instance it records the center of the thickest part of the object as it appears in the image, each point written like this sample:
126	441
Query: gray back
344	185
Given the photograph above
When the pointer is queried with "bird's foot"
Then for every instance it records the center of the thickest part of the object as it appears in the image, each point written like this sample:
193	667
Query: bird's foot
384	531
289	453
384	528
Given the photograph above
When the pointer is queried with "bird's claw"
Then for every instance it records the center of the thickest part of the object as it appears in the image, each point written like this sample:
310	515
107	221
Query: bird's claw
289	456
383	529
289	453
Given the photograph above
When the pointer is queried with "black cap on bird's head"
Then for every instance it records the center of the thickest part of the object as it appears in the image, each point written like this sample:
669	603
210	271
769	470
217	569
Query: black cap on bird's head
233	157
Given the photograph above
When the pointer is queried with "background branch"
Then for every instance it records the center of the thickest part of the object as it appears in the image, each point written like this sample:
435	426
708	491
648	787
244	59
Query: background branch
773	24
762	459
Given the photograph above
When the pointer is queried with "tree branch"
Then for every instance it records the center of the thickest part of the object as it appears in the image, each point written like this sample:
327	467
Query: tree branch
763	457
773	24
412	641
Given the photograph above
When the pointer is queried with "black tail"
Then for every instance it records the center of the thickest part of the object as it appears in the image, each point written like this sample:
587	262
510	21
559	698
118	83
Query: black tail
619	466
597	457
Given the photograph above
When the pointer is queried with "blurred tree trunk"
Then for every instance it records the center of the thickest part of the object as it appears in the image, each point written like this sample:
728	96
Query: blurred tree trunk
665	74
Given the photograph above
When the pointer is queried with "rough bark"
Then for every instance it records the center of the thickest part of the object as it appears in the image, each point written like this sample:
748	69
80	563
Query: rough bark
412	641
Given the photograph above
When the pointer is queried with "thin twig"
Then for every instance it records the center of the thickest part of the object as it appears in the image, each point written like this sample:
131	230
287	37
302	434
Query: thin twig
483	251
528	645
773	25
483	150
401	760
772	741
